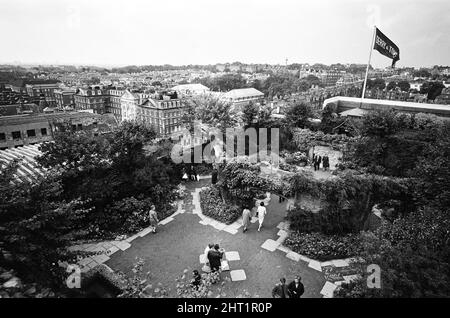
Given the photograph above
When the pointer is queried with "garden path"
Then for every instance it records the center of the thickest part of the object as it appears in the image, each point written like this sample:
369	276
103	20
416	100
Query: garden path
256	263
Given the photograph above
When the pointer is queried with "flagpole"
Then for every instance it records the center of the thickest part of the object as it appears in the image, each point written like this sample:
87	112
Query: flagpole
368	63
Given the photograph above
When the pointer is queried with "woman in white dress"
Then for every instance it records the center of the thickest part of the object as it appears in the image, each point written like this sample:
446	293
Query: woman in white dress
261	214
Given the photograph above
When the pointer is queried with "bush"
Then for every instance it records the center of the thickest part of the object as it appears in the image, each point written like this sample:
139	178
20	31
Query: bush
324	247
213	206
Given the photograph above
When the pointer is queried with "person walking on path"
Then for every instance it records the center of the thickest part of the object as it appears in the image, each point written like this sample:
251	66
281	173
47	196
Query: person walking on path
296	288
214	176
326	163
280	290
153	218
262	211
215	258
246	218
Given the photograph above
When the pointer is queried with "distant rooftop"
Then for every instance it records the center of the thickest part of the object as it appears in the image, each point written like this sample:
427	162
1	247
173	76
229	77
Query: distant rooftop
346	103
243	92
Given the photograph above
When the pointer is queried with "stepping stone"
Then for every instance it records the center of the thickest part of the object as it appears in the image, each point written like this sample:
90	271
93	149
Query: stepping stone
224	266
293	256
144	232
238	275
166	220
202	258
282	233
270	245
315	265
232	256
85	261
328	289
340	263
280	226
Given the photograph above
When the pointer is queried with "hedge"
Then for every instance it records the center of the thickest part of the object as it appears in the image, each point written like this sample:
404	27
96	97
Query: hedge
213	206
324	247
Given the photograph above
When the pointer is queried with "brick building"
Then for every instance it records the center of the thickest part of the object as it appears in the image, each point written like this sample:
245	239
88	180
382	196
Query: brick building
91	98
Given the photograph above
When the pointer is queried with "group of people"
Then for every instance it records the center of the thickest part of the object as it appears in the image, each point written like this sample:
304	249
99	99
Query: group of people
247	215
190	174
214	255
317	160
294	289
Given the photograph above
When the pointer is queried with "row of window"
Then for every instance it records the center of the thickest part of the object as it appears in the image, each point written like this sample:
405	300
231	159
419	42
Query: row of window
17	135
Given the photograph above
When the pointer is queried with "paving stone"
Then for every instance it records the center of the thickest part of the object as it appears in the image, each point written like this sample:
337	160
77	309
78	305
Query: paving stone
202	258
315	265
293	256
235	226
213	223
284	249
203	222
328	263
230	230
166	220
224	266
270	245
220	226
232	256
131	238
100	259
85	261
238	275
254	220
122	245
328	289
305	259
282	233
144	232
280	226
112	250
340	263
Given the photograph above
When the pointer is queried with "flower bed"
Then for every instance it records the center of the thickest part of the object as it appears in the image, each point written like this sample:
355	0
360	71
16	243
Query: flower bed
324	247
213	206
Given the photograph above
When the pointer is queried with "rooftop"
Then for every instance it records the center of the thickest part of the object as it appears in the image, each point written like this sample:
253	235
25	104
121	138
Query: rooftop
243	92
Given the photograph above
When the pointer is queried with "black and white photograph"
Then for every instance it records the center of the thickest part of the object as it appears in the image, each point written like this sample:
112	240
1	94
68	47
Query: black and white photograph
224	149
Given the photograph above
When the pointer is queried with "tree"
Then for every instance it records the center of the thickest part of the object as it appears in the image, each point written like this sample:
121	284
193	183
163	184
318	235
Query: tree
36	228
211	111
377	83
249	114
432	89
391	86
404	86
298	115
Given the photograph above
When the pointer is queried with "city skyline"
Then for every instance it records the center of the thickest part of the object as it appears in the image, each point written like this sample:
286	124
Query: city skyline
210	32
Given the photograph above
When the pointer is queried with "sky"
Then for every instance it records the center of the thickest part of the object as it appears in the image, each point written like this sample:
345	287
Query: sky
180	32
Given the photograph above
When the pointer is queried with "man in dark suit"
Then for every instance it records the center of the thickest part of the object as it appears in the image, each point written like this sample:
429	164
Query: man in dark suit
280	290
215	258
296	288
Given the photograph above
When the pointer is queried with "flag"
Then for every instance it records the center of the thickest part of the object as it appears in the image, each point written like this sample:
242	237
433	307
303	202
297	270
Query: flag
386	47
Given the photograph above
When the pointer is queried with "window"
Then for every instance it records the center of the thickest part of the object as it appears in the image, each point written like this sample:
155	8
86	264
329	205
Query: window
80	127
2	136
31	133
16	135
44	131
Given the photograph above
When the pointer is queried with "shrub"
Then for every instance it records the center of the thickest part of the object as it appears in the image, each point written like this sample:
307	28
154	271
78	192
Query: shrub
213	206
324	247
